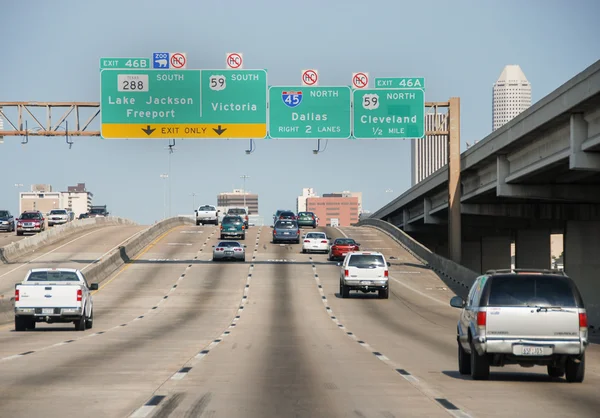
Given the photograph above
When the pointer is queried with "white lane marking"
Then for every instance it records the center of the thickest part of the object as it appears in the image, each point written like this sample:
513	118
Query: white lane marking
446	304
178	376
143	411
49	252
181	243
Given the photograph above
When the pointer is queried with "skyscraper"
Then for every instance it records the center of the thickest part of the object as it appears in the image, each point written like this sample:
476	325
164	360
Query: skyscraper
430	153
512	95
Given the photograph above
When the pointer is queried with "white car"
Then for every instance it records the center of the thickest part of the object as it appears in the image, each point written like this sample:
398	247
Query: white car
315	241
58	217
364	271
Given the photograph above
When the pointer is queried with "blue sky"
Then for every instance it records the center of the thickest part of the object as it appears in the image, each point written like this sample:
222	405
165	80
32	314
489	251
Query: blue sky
50	52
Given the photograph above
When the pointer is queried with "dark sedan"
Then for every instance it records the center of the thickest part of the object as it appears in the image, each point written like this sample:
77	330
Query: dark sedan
7	221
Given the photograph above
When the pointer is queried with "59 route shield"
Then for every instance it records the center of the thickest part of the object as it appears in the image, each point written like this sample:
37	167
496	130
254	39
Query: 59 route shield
291	98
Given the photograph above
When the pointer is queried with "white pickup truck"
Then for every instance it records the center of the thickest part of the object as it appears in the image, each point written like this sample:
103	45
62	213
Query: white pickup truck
54	295
207	214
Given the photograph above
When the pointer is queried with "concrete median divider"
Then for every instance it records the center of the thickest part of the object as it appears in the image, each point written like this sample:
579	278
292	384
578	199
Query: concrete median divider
11	252
455	276
124	254
111	262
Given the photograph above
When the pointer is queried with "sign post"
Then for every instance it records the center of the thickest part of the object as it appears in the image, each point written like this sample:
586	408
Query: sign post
310	112
389	113
140	104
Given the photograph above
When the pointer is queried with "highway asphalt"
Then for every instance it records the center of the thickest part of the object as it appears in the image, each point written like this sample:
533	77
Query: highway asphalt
177	335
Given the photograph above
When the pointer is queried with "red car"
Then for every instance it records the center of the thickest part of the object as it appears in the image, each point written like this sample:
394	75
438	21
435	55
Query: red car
341	247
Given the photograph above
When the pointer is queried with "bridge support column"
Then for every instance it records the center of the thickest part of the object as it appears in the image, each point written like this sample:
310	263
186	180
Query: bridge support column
495	253
532	249
582	264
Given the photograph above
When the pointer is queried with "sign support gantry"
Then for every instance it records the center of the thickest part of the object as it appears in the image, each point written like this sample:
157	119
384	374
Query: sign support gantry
16	114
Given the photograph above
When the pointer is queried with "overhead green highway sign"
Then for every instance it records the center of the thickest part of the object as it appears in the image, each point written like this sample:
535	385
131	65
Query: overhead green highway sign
400	82
310	112
183	103
389	113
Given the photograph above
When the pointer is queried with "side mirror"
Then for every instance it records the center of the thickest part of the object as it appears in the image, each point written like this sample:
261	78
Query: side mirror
457	302
214	246
339	264
94	286
389	264
357	244
245	246
272	226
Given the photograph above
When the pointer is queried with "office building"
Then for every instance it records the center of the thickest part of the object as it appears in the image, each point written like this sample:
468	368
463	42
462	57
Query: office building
358	195
430	153
301	201
343	208
239	198
77	199
41	197
511	95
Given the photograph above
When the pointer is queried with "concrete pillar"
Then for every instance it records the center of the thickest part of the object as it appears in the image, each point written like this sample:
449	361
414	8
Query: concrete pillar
582	264
532	249
495	253
471	255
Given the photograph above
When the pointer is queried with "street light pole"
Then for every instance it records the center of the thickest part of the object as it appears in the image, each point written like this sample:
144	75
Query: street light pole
244	188
193	200
165	177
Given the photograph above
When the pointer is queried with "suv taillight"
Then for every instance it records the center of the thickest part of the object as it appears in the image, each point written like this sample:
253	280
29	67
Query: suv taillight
79	295
17	296
481	319
386	274
582	320
346	273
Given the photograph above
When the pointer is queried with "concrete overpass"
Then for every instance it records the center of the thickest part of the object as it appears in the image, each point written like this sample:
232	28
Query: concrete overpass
539	174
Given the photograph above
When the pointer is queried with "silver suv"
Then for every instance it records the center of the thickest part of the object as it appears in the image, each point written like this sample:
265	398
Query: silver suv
365	271
525	317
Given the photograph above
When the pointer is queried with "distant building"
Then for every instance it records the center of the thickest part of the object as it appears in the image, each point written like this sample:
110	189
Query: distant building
348	194
77	199
41	197
511	95
236	199
430	153
301	201
343	208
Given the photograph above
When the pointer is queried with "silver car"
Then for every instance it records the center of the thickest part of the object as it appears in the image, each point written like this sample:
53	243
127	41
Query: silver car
524	317
229	250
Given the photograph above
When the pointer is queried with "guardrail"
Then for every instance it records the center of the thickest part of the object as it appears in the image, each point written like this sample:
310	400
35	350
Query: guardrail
457	277
11	252
111	262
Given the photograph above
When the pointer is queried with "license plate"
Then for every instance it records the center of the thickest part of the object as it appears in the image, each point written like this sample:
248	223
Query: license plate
228	252
232	229
48	310
366	282
286	233
532	351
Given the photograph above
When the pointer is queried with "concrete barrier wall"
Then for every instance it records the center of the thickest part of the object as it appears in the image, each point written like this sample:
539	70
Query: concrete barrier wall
11	252
112	261
457	277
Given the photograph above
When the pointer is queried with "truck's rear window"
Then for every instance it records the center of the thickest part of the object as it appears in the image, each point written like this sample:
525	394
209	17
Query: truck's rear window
523	290
207	208
366	260
53	276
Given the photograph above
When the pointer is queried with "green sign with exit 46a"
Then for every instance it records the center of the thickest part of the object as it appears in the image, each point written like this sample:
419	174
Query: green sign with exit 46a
389	113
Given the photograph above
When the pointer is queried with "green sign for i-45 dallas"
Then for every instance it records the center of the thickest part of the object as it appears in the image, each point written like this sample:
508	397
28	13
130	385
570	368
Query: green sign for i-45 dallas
310	112
389	113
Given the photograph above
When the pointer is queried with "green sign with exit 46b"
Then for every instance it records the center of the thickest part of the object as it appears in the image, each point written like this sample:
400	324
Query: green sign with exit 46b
389	113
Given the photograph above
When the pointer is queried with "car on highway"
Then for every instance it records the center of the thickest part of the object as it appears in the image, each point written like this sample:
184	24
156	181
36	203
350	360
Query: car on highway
524	317
83	216
229	250
58	217
206	214
315	242
31	221
364	271
241	212
342	246
54	295
307	219
286	231
233	226
288	214
277	213
7	221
